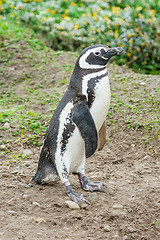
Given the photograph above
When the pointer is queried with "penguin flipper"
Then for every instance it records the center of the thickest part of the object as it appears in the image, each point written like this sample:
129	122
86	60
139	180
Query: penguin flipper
82	118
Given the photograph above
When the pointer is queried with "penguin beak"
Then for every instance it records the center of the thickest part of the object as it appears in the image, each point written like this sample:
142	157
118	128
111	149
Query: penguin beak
112	52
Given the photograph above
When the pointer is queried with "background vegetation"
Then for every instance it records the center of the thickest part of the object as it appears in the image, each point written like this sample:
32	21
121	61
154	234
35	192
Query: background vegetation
33	78
68	25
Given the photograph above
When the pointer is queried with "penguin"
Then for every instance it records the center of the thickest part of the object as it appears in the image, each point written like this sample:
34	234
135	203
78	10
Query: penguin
72	134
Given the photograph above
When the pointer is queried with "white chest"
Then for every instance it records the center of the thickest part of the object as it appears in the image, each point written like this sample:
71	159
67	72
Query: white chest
101	99
101	102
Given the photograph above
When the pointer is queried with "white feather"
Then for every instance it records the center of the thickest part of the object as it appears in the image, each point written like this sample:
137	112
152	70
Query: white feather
62	121
88	77
75	151
74	155
101	102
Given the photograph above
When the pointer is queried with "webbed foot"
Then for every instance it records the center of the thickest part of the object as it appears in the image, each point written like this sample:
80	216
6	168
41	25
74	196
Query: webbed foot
75	197
88	185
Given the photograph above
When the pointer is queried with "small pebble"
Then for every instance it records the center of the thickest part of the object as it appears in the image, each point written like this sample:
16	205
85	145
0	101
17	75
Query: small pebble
40	234
72	205
142	83
2	146
24	185
14	172
25	196
125	237
12	212
6	125
36	204
107	228
130	210
83	205
26	163
117	206
30	185
131	229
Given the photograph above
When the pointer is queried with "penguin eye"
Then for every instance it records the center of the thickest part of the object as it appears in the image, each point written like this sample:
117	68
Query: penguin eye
97	53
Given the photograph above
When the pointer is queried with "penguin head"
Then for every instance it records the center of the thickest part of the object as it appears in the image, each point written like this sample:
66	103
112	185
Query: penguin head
97	56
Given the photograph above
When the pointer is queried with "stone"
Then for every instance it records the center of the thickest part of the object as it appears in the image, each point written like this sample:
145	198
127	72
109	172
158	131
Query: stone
142	83
131	229
24	185
2	146
117	206
125	237
36	204
107	228
15	171
30	185
12	212
6	125
25	196
26	163
40	234
72	205
83	205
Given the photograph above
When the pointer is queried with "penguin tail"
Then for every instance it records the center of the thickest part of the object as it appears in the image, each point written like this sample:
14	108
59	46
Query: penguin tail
37	178
45	175
46	172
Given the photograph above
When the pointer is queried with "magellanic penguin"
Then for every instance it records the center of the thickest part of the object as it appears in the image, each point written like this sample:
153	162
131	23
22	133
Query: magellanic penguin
72	133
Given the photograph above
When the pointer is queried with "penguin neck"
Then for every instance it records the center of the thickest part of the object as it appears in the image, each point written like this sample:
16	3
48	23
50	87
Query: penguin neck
78	75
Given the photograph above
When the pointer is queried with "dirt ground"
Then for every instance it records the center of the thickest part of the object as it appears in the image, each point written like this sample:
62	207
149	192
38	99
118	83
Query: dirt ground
130	207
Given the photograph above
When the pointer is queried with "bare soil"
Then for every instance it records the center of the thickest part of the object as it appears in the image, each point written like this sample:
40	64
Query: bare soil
129	167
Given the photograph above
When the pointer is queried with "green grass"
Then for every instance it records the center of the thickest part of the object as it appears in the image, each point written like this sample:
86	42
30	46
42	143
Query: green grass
14	32
26	125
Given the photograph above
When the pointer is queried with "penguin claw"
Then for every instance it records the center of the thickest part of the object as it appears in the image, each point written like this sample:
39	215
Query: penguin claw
88	185
94	186
78	198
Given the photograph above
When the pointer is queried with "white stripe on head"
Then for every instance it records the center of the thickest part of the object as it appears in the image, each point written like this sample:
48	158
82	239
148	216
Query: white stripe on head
88	77
82	61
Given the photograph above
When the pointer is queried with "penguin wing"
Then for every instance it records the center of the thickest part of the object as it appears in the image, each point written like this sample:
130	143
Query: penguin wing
82	118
